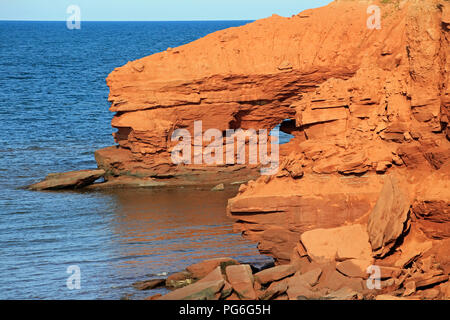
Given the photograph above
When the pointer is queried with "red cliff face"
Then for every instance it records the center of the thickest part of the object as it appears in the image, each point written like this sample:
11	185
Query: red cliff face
362	99
370	108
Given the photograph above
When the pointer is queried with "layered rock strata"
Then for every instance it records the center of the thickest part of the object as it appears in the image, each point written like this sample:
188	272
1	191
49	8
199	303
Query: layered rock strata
368	107
359	99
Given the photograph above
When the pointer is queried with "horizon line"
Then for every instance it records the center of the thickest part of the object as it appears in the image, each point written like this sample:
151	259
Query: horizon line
29	20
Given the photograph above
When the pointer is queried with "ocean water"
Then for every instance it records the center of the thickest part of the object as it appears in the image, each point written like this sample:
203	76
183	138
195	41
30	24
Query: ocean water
54	115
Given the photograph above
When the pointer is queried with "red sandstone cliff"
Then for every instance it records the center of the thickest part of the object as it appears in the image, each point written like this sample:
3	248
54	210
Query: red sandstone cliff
372	98
370	111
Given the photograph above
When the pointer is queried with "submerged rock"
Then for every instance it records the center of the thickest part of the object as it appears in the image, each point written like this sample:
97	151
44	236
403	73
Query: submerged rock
149	284
68	180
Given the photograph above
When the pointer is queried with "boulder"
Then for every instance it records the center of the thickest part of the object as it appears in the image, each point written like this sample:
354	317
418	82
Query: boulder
274	290
301	291
301	285
227	291
241	279
214	275
217	275
387	221
311	278
333	280
430	294
203	268
209	290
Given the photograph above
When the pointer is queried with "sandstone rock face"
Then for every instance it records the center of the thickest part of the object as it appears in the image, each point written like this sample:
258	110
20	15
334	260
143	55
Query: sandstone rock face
278	212
360	102
431	207
356	95
389	116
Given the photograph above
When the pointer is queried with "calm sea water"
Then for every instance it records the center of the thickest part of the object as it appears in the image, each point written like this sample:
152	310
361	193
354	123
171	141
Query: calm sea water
54	115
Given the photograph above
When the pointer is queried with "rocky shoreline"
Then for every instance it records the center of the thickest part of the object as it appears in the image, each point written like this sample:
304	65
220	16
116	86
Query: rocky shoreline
304	279
364	184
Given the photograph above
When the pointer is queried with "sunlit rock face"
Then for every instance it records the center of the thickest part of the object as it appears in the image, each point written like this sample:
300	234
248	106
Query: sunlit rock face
364	103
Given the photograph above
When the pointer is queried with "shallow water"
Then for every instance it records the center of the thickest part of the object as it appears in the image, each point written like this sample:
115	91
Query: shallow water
54	111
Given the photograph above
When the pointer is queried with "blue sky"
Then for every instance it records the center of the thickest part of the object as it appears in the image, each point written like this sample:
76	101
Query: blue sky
151	10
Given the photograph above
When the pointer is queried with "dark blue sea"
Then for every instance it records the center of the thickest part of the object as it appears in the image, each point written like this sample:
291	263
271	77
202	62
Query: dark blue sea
54	115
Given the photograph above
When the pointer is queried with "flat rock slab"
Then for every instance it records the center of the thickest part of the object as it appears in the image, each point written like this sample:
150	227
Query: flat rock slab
275	273
344	293
353	268
68	180
208	290
337	244
389	272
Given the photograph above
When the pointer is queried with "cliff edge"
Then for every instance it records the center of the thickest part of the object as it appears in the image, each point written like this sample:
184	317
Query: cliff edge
366	99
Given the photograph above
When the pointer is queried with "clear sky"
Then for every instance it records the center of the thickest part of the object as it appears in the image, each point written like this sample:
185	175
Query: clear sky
152	10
